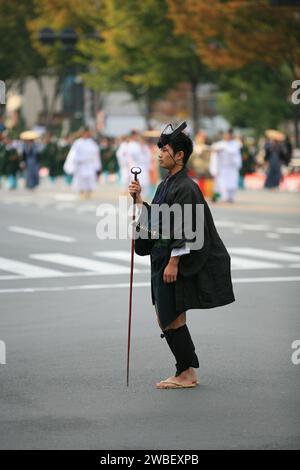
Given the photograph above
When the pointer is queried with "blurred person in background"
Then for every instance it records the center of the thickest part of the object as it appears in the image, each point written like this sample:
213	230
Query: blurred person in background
288	150
276	155
154	171
145	165
2	154
200	158
84	163
123	162
134	149
139	155
11	162
150	136
2	125
225	166
63	148
108	156
30	158
49	156
248	160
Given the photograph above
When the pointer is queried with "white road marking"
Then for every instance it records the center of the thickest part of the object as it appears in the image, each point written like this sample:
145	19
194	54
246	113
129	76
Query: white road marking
266	279
26	269
224	223
38	233
238	262
293	249
65	197
110	265
265	254
272	235
43	204
61	206
289	230
125	285
254	227
86	208
63	274
100	267
124	256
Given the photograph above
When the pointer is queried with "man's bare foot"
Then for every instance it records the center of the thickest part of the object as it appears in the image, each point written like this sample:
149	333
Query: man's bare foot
169	379
186	379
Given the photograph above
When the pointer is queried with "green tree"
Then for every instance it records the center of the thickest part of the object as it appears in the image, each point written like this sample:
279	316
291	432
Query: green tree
250	102
140	53
59	15
241	35
18	58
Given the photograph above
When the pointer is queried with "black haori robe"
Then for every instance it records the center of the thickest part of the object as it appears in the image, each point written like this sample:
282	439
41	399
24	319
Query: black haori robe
204	275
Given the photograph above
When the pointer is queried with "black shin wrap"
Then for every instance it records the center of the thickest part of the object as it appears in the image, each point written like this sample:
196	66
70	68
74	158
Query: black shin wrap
182	346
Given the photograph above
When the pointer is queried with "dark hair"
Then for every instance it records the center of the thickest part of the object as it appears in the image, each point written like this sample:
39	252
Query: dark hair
184	143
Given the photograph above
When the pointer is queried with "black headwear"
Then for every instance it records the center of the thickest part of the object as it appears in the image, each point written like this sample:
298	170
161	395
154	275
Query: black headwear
169	133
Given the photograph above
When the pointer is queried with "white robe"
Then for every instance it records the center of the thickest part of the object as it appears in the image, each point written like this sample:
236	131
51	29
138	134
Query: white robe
123	161
140	155
225	165
83	161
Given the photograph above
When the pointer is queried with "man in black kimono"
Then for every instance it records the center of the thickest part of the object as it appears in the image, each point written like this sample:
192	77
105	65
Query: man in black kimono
183	275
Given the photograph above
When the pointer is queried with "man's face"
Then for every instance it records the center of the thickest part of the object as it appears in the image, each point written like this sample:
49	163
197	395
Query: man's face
87	134
165	157
133	136
228	136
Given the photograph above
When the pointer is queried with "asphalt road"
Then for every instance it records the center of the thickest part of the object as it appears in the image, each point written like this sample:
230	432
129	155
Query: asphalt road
63	318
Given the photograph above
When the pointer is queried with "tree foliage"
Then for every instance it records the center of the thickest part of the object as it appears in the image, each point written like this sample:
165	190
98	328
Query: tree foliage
18	57
235	33
254	103
257	44
139	51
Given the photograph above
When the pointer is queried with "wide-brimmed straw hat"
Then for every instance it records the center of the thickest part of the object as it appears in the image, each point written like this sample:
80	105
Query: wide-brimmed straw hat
151	133
274	135
29	135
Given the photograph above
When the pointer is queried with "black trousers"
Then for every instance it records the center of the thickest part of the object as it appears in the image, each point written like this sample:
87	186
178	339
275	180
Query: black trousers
163	294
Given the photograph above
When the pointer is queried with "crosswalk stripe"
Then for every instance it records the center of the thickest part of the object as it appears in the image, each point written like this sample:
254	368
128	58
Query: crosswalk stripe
40	234
26	269
79	262
109	263
265	254
238	262
124	256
